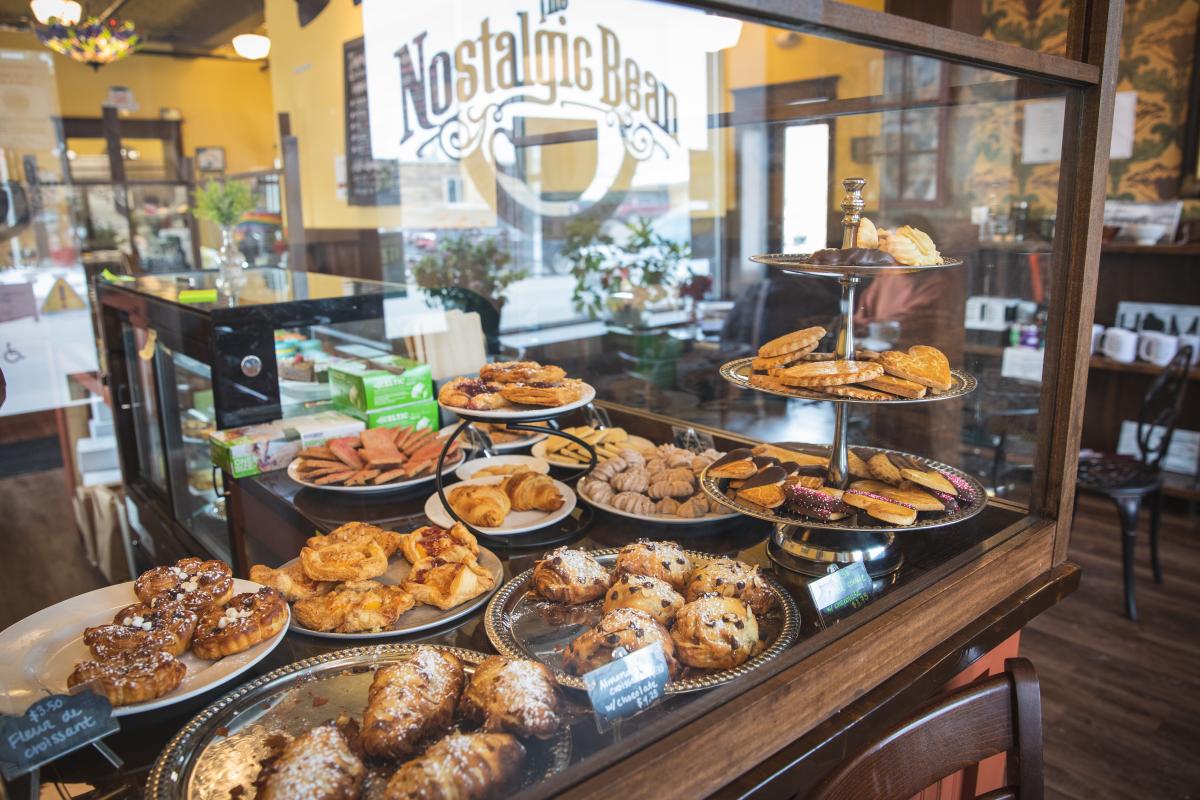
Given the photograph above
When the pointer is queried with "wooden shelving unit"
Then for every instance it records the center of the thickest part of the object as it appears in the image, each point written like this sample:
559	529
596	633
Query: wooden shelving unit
1137	367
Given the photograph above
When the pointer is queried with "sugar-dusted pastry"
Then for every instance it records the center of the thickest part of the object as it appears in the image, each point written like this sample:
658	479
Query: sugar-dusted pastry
737	463
462	766
731	578
519	696
627	628
322	763
633	479
248	619
532	491
472	393
633	503
130	676
455	543
664	560
410	701
485	505
446	584
521	372
358	560
715	633
570	576
165	626
388	541
197	584
550	395
290	581
354	607
654	596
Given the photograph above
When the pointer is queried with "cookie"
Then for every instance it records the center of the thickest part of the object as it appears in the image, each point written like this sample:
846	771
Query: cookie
856	393
760	380
910	495
929	478
883	468
897	386
761	364
856	462
922	364
792	342
830	373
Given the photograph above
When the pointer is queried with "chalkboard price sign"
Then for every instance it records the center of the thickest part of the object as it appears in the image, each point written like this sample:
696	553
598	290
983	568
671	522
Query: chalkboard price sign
50	728
841	593
369	181
627	685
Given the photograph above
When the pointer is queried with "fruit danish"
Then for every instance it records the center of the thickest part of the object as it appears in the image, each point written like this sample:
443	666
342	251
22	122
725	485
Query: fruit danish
449	544
197	584
411	701
388	541
446	584
664	560
472	393
344	561
570	576
521	372
354	607
290	581
249	618
166	626
519	696
130	676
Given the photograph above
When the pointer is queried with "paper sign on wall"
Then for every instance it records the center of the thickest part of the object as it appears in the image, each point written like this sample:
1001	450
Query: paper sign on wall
1042	135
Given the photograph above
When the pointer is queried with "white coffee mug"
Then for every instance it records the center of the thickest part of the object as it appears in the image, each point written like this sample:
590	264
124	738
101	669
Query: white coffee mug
1120	345
1157	347
1191	340
1097	335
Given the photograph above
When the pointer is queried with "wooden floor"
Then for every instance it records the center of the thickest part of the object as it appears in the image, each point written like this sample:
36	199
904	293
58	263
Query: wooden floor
1121	700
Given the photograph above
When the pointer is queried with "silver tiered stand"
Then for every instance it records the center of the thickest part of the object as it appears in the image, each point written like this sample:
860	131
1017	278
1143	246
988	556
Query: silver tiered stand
813	547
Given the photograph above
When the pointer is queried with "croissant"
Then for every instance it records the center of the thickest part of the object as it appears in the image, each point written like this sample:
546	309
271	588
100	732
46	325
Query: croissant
325	756
410	700
463	766
532	491
632	480
669	488
482	505
633	503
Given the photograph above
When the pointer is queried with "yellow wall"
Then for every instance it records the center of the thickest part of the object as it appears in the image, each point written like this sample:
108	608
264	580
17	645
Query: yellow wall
223	103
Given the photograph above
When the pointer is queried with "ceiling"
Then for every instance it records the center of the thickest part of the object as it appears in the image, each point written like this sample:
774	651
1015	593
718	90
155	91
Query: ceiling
190	25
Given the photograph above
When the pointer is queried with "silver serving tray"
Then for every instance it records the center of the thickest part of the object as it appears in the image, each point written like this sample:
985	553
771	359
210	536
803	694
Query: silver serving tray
520	624
800	264
223	746
738	373
713	487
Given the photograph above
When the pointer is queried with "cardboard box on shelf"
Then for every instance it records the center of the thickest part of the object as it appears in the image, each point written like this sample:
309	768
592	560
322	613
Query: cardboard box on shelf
370	384
420	415
261	448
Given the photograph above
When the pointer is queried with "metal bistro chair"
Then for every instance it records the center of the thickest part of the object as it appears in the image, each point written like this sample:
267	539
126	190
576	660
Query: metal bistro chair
1127	481
998	714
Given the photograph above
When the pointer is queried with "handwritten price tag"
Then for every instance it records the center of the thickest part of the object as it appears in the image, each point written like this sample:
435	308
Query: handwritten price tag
840	593
627	685
50	728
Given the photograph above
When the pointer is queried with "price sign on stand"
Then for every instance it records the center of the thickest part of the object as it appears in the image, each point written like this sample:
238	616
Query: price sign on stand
841	593
51	728
627	685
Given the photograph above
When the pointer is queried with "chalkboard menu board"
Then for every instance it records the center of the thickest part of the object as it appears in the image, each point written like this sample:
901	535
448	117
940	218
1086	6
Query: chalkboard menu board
369	182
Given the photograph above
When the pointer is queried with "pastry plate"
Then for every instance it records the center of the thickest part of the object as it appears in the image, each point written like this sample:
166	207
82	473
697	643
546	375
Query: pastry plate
855	522
738	373
39	652
419	617
223	746
636	442
800	264
516	521
394	486
502	447
467	470
523	413
522	625
661	519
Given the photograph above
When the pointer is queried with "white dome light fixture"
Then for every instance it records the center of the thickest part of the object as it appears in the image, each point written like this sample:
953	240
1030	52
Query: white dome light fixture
252	46
67	12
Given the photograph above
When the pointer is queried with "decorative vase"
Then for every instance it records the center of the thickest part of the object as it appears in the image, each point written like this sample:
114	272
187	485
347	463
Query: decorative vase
231	265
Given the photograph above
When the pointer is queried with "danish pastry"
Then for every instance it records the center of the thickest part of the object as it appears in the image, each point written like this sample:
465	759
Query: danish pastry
570	576
410	701
518	696
249	618
354	607
627	628
197	584
472	393
290	581
532	491
520	372
462	766
455	543
130	676
549	395
166	626
480	504
731	578
446	584
321	764
715	633
664	560
388	541
344	561
654	596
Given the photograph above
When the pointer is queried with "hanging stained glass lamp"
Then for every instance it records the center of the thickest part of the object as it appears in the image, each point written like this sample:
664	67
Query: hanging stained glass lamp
93	41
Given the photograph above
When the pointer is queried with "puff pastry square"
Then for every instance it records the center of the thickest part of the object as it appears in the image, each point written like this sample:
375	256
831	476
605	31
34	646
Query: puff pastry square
445	584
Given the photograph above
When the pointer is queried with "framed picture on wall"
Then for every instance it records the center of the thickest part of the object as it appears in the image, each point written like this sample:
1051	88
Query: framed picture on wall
210	159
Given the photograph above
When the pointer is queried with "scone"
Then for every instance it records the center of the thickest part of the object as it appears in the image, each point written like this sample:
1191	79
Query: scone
344	561
628	628
731	578
664	560
290	581
195	583
652	595
455	543
570	576
132	676
715	633
354	607
249	618
446	584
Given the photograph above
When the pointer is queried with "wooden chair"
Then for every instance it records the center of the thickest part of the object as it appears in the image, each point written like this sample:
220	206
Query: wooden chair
1128	481
999	714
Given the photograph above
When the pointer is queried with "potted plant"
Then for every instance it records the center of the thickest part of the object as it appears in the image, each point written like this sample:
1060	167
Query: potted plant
622	280
225	203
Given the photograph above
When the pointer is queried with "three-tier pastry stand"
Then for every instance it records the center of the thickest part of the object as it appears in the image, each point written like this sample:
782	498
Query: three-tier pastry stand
815	547
567	529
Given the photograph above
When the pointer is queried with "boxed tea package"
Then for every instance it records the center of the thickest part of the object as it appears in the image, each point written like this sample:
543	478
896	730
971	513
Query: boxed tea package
272	445
369	384
420	415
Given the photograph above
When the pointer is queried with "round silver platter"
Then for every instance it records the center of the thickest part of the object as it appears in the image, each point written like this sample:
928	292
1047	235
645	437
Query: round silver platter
801	264
713	487
223	747
738	373
520	624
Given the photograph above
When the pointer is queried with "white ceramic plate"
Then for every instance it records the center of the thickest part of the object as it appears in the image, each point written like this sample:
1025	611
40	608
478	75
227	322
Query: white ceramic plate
516	413
539	450
516	521
419	617
369	489
658	519
467	470
501	447
39	652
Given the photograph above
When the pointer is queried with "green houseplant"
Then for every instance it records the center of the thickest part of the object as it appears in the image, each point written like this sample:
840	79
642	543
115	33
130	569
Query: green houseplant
225	203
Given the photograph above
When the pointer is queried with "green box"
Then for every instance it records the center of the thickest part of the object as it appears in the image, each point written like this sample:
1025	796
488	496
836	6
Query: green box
421	415
261	448
370	384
